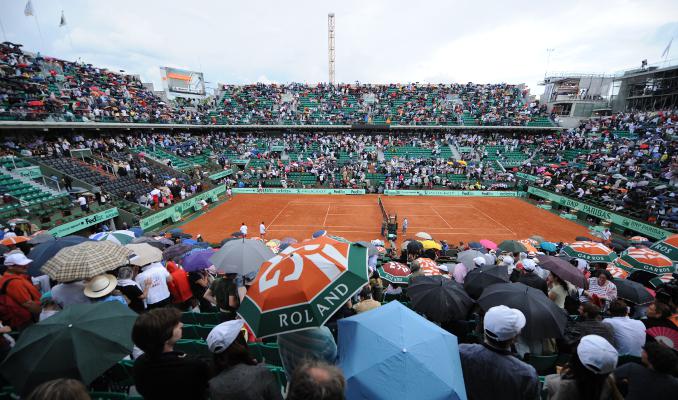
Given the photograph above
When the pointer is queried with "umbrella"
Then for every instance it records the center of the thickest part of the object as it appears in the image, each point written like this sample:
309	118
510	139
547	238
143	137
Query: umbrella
303	286
86	260
548	246
176	251
41	253
288	240
241	256
512	246
563	269
664	335
617	272
237	234
439	298
137	231
638	239
537	238
583	239
423	236
151	242
590	251
197	260
80	342
466	257
144	254
120	237
371	249
640	258
14	240
488	244
428	267
667	247
430	244
394	272
632	291
476	246
41	238
480	278
318	234
392	352
544	318
529	246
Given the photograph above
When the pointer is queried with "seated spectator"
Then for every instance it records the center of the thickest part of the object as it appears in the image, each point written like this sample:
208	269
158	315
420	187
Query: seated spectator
492	361
315	380
161	372
366	303
629	334
238	376
60	389
223	293
658	314
601	289
654	379
590	323
529	277
587	374
308	344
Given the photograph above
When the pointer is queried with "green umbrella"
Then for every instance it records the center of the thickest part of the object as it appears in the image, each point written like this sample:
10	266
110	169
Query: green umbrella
80	342
668	247
512	246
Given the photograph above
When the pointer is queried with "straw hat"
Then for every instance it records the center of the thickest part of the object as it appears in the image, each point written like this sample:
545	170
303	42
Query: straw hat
100	286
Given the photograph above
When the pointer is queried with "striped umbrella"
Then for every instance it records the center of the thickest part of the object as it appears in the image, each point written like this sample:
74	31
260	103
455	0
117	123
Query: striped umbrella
590	251
635	258
668	247
617	272
121	237
428	267
638	239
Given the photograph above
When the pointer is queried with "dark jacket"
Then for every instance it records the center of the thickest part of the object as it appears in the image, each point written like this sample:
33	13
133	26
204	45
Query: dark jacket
172	375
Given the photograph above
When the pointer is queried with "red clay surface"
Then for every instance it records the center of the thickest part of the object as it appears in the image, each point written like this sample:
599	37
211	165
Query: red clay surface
358	218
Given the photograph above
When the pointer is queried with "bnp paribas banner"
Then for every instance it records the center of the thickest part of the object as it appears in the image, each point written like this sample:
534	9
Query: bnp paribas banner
628	223
454	193
84	222
298	191
176	211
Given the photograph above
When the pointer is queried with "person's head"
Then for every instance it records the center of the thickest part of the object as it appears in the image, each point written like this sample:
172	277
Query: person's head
658	310
619	308
479	261
553	279
100	286
157	331
528	265
17	262
243	224
590	366
60	389
660	358
316	380
125	273
502	325
366	292
227	342
603	276
589	311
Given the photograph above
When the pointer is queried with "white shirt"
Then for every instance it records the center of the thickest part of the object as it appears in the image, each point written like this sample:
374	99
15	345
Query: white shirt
629	334
82	200
243	229
158	290
262	229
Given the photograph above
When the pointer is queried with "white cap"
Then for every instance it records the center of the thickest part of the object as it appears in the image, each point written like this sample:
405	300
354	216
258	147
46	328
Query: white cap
223	335
508	260
503	323
443	267
531	254
17	259
529	264
479	261
597	354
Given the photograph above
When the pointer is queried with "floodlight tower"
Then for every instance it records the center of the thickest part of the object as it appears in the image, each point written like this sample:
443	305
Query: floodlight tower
330	46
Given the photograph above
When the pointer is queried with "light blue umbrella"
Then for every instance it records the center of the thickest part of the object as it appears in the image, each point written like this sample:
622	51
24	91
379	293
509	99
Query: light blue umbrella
393	353
548	246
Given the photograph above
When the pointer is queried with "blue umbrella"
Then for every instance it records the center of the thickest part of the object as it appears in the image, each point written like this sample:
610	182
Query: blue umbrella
197	261
392	352
137	231
319	233
191	242
41	253
476	246
548	246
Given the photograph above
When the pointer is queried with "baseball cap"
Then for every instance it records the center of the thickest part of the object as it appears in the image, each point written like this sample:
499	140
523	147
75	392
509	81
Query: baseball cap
597	354
223	335
531	254
503	323
508	260
479	261
529	265
17	259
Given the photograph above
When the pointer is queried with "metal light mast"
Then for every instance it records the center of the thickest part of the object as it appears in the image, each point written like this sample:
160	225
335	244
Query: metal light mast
330	46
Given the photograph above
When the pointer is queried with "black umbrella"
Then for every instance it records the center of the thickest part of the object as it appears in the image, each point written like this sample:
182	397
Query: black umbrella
583	239
151	242
632	291
563	269
482	277
439	298
544	319
176	250
237	234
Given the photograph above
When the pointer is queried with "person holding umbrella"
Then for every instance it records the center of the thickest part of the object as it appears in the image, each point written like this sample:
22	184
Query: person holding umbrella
492	361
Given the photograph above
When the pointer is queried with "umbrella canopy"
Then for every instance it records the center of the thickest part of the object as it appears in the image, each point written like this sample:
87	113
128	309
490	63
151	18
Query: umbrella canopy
583	239
423	236
138	232
197	260
488	244
241	256
394	272
319	233
144	254
667	247
632	291
638	239
303	286
617	272
476	246
512	246
590	251
176	251
151	242
41	238
544	319
466	257
439	298
529	245
428	267
86	260
80	342
645	259
392	352
41	253
288	240
13	240
122	237
548	246
477	280
563	269
371	249
537	238
430	244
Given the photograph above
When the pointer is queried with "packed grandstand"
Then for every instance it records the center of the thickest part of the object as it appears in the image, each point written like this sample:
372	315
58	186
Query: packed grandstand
600	321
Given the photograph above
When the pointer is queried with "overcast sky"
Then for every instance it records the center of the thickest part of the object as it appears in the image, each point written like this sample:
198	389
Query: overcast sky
376	41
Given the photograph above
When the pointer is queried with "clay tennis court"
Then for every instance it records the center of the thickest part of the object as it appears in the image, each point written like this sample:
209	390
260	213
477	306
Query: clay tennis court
359	217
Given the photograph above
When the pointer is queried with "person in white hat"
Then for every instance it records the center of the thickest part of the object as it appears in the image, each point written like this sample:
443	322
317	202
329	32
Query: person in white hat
23	299
102	288
238	374
529	277
490	369
586	375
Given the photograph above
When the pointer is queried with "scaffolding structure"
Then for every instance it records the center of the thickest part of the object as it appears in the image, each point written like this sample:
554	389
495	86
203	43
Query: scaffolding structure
330	46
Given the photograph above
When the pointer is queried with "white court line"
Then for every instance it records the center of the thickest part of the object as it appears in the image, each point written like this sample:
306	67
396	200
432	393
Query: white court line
441	217
433	204
495	221
333	231
326	214
331	203
277	215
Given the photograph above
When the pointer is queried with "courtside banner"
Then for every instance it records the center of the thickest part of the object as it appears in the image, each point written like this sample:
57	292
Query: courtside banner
298	191
84	222
176	211
606	215
453	193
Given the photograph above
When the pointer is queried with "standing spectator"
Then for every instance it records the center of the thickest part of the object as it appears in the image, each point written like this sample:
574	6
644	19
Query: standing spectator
158	294
22	298
223	293
587	374
315	380
243	230
557	289
82	201
200	282
179	287
493	361
65	294
655	379
131	290
162	373
238	376
405	224
229	193
629	334
68	182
